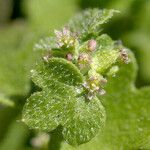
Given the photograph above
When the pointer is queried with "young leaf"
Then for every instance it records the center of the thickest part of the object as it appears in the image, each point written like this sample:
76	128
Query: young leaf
104	60
90	21
106	55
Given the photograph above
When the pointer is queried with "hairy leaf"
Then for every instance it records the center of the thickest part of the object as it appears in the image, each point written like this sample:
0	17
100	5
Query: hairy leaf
61	103
90	21
84	121
105	59
57	69
45	110
127	108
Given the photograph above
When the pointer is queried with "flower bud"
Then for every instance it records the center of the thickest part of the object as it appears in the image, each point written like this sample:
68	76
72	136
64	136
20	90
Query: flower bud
69	57
92	45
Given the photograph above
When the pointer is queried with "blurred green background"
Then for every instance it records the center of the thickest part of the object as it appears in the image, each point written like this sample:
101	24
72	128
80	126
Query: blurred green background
24	22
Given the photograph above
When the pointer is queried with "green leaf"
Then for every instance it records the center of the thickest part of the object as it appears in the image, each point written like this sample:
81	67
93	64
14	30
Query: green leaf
89	21
61	103
84	121
46	110
105	42
127	109
106	55
103	60
56	69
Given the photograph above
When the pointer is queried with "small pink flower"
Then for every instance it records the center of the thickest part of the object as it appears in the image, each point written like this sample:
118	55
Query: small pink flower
65	38
92	45
69	57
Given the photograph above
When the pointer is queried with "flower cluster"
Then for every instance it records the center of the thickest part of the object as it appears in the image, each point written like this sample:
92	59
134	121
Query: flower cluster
82	54
65	38
94	85
92	45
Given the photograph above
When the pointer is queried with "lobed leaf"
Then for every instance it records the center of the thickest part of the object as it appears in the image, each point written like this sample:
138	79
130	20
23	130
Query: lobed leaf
61	103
